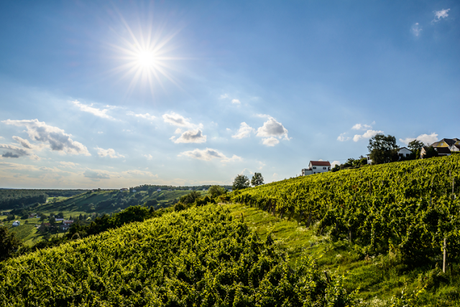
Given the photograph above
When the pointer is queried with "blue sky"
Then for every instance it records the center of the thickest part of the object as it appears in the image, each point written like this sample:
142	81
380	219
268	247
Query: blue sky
117	94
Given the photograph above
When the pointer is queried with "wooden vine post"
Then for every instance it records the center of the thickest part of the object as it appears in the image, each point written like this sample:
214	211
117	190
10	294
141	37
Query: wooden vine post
444	257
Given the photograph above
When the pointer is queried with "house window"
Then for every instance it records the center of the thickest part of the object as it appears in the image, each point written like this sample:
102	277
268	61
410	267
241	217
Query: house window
324	167
314	167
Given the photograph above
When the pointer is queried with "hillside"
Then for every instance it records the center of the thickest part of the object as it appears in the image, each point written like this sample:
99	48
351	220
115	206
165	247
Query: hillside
85	207
197	257
395	216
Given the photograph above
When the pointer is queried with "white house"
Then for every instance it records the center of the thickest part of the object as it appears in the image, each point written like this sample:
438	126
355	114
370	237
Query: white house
158	190
316	167
403	152
16	223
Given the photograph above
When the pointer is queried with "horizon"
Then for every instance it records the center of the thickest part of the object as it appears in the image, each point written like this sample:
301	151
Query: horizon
189	94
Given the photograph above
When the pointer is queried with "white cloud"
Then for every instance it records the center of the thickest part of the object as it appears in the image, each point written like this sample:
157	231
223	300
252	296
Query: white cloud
177	120
54	137
209	154
416	29
223	96
361	127
146	116
178	131
425	138
191	136
237	101
244	131
367	135
334	163
271	141
108	153
342	137
272	128
438	15
149	157
92	110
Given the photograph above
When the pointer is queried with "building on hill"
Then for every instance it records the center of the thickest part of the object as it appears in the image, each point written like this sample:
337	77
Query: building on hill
404	153
444	147
316	167
16	223
66	224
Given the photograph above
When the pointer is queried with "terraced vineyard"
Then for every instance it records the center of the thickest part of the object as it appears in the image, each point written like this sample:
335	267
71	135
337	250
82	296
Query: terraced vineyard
407	208
197	257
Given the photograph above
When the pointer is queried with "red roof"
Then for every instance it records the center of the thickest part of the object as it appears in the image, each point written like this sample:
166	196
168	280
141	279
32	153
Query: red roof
320	163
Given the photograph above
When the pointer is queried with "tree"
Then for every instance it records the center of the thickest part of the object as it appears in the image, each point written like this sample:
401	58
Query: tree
216	190
240	182
190	198
8	243
383	149
257	179
415	145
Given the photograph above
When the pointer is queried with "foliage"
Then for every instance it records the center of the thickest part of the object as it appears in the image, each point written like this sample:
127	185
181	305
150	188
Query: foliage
190	197
216	190
415	145
197	257
406	208
240	182
8	243
257	179
430	152
382	149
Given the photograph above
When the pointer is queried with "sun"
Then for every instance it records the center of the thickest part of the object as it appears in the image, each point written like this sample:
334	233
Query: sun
146	57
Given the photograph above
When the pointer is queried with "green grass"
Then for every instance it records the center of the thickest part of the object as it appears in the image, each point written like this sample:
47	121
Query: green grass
378	278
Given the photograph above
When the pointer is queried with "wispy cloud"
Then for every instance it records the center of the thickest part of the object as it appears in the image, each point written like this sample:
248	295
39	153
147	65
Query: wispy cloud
90	109
342	137
236	101
69	164
178	120
425	138
146	116
209	154
244	131
223	96
367	135
149	157
108	153
438	15
361	127
53	137
416	29
96	175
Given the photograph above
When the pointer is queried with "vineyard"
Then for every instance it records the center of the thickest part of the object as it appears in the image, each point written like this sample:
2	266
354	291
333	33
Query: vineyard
196	257
410	209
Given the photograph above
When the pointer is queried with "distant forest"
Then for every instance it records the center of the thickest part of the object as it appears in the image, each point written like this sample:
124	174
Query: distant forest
20	198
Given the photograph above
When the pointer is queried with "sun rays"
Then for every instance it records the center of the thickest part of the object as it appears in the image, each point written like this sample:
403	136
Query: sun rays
147	57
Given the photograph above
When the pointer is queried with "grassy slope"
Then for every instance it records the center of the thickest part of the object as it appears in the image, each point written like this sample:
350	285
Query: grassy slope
378	279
